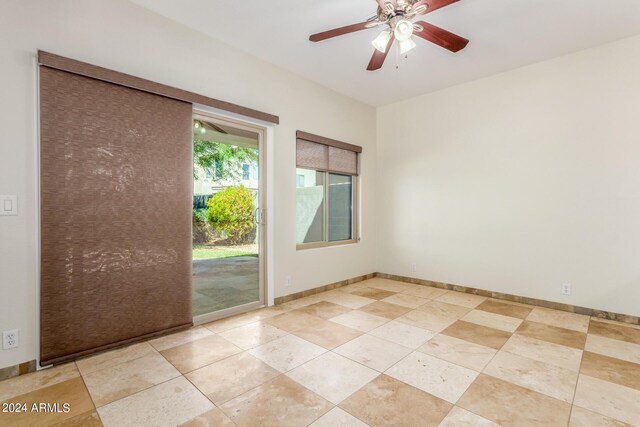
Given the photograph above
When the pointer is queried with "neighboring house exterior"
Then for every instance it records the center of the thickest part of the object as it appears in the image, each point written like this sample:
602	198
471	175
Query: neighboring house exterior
209	182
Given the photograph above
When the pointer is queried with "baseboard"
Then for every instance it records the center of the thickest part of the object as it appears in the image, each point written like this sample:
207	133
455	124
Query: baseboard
16	370
601	314
308	292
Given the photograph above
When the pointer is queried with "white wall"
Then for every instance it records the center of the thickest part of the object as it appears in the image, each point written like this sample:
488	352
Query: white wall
124	37
519	182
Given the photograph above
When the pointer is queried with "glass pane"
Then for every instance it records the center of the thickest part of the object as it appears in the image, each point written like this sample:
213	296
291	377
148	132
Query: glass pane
309	206
226	228
340	207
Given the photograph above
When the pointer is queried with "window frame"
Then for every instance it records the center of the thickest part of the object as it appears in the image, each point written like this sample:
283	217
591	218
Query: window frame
355	214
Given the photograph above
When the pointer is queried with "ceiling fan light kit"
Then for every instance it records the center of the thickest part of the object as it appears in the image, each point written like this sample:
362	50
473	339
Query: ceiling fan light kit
398	15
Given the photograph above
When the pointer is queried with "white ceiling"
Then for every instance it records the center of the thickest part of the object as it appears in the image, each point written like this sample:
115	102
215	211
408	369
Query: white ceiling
504	34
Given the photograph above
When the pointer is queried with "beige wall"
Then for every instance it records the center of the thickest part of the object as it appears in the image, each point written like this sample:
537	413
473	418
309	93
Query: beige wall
520	182
122	36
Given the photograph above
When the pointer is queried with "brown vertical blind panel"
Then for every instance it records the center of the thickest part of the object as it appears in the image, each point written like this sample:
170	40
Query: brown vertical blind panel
115	182
343	161
312	156
89	70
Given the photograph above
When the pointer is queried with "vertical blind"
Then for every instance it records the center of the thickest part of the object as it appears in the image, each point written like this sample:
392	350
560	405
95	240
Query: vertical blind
324	154
115	215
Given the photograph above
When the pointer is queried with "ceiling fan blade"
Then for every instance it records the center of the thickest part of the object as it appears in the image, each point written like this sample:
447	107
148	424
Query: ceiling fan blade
432	5
340	31
378	57
441	37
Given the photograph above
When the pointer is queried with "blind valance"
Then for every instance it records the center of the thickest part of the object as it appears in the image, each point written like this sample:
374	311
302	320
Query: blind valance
324	154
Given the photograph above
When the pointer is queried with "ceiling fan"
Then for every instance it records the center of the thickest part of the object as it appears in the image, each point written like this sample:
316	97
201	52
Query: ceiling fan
397	16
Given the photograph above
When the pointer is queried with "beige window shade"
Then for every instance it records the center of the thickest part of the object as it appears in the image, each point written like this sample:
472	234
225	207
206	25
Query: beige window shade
115	215
324	154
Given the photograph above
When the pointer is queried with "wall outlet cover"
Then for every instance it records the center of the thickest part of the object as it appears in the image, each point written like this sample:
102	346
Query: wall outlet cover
566	289
10	339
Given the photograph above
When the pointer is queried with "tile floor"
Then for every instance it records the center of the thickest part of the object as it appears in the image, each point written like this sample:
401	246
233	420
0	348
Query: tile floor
378	353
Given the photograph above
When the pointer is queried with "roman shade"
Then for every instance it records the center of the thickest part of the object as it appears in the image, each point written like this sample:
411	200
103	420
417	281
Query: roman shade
324	154
115	191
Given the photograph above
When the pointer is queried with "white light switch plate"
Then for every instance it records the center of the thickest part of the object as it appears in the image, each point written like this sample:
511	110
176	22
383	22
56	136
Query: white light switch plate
8	205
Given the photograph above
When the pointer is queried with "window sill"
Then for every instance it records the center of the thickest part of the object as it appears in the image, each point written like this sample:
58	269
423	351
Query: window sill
317	245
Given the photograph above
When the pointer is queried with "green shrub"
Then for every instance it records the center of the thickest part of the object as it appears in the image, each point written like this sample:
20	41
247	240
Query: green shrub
231	213
199	216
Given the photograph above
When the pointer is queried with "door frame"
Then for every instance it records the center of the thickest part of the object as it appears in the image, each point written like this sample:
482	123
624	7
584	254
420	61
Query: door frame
262	131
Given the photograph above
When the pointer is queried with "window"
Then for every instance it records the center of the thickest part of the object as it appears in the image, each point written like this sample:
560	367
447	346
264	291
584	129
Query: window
326	188
245	172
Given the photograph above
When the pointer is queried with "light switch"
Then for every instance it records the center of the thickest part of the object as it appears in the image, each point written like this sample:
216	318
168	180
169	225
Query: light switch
8	205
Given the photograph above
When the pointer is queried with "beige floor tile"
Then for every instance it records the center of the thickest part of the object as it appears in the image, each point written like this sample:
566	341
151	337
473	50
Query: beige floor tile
384	309
88	419
616	331
544	378
328	334
610	399
287	353
553	334
426	292
373	293
116	382
292	320
71	392
294	406
168	404
388	402
325	309
332	376
492	320
389	285
231	377
444	309
405	300
614	348
581	417
349	300
611	369
561	319
360	320
478	334
199	353
373	352
513	406
505	308
460	352
435	376
459	417
463	299
543	351
37	380
252	335
338	418
403	334
174	340
354	286
114	357
303	302
429	321
244	319
213	418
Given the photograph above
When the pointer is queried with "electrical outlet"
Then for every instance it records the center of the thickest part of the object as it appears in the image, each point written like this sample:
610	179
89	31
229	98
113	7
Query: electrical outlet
288	282
413	267
566	289
10	339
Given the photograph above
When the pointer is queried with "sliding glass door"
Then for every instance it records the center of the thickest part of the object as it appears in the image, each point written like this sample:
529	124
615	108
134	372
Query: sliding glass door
228	218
